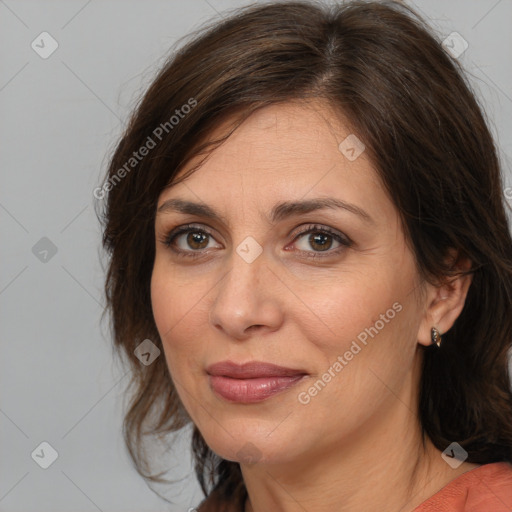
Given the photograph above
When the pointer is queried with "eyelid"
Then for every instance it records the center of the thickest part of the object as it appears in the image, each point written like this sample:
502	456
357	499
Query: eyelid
339	236
313	228
185	228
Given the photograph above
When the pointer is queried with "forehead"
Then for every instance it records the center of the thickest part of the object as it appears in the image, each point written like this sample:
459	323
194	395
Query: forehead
282	151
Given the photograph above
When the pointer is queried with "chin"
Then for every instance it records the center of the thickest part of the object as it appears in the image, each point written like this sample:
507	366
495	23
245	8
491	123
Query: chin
248	447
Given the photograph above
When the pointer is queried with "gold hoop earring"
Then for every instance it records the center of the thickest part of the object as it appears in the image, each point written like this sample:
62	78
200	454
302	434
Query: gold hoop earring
436	336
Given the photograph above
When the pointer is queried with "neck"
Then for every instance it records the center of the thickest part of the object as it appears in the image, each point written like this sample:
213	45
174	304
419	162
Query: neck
383	466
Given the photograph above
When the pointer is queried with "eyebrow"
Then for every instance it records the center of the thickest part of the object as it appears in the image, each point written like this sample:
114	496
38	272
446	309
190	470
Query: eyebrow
279	212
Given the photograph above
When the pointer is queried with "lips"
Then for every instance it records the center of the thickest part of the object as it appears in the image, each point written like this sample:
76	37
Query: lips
251	370
251	382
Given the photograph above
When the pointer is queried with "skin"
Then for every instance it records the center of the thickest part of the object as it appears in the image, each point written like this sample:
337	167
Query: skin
356	444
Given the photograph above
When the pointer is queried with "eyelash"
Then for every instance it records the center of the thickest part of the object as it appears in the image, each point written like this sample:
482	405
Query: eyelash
344	241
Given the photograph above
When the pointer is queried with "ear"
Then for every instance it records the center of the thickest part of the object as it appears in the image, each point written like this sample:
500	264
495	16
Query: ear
444	302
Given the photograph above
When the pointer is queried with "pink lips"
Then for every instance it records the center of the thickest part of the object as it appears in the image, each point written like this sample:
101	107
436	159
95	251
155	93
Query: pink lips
251	382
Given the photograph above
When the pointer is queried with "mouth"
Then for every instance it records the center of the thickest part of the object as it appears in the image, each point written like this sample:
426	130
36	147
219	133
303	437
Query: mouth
251	382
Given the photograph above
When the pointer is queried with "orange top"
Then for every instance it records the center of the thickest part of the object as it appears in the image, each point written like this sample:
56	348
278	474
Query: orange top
487	488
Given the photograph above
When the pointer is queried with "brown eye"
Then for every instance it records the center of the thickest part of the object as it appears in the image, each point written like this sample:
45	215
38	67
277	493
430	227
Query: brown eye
196	239
188	241
321	240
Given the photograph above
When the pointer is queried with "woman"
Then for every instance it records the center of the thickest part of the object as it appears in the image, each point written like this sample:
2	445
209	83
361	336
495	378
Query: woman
305	216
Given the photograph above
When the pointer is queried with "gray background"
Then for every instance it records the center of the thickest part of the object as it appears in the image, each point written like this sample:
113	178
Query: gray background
60	117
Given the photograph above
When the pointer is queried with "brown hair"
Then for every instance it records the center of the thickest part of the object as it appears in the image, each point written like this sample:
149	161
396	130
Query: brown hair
378	64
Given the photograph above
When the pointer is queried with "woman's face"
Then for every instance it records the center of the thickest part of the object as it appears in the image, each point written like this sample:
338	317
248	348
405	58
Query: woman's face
328	292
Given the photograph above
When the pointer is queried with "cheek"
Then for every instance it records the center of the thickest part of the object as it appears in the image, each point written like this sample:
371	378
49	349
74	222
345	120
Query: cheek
162	297
180	312
368	349
168	311
370	320
173	296
338	311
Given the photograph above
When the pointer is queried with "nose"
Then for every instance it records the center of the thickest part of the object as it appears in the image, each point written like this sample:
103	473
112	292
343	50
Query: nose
249	299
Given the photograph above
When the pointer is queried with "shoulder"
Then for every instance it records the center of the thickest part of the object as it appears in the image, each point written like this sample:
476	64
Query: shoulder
487	487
